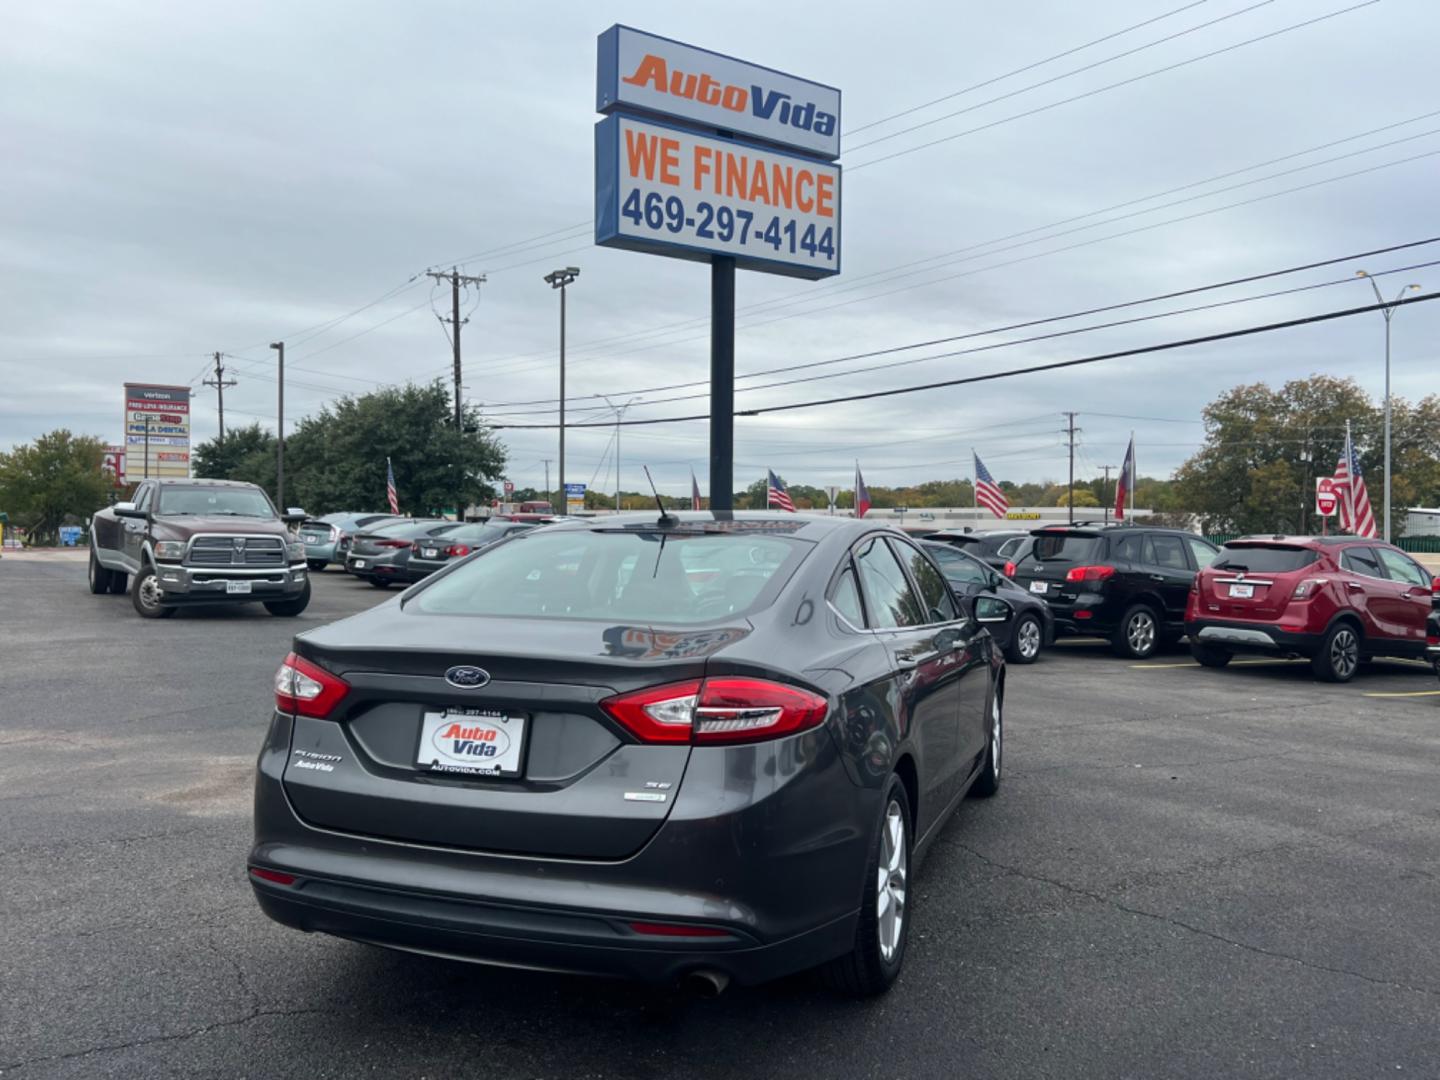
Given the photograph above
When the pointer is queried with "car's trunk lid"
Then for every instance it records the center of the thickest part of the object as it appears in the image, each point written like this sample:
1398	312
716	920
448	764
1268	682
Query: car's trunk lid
1044	567
584	789
1255	581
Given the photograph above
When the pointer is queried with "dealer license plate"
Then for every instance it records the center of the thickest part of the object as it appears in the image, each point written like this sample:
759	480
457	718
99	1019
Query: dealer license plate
1242	592
237	588
311	538
474	742
1037	586
429	553
359	564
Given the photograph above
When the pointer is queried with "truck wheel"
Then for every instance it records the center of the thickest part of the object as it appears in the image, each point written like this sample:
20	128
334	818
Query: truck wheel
289	608
101	580
145	595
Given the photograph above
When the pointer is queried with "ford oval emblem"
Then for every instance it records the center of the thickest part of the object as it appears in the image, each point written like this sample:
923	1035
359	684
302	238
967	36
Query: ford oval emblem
467	677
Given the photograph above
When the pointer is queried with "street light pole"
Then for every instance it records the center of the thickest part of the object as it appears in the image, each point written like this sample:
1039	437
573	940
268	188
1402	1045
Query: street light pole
1388	310
558	279
619	411
279	347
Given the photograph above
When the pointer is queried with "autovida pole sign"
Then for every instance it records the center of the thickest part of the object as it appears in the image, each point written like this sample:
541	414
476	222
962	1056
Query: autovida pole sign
157	431
703	155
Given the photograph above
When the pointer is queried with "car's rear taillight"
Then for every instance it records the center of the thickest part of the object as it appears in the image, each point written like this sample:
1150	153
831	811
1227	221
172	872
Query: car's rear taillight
392	543
457	551
1009	569
1307	588
275	877
725	709
1089	573
302	687
1433	641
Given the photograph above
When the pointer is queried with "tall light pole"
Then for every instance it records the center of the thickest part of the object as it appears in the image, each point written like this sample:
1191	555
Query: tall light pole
279	347
558	279
619	411
1388	310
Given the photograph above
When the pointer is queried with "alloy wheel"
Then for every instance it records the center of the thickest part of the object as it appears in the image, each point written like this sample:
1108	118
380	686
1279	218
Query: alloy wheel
1028	642
1344	653
1140	632
150	592
890	882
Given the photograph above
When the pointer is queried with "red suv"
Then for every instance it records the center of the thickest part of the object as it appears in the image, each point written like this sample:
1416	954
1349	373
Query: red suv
1336	600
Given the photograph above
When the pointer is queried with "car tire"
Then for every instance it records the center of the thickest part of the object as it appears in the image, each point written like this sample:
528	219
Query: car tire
100	578
119	582
988	782
145	595
1210	655
883	929
1138	635
379	583
1339	656
317	566
288	609
1026	640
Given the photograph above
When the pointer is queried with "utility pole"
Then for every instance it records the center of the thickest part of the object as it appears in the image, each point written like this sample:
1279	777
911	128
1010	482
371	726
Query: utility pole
219	382
1105	491
547	479
279	347
1071	431
456	279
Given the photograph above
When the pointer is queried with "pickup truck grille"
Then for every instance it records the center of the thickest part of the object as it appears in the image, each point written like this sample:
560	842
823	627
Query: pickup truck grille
237	551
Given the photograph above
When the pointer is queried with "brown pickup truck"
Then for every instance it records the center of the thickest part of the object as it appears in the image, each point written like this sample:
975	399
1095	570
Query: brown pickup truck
199	542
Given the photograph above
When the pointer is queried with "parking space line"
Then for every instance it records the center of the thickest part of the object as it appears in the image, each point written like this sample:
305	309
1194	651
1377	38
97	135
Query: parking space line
1192	663
1405	693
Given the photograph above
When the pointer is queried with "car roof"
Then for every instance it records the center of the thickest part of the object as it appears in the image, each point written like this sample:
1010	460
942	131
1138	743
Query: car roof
1100	528
1303	541
804	526
196	481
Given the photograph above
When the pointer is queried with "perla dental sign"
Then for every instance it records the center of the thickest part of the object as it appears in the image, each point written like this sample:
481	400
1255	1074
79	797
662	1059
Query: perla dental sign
653	74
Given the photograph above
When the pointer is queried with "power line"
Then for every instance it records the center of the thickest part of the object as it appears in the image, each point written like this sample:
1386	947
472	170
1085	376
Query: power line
1021	70
1111	86
1064	75
1013	372
1029	323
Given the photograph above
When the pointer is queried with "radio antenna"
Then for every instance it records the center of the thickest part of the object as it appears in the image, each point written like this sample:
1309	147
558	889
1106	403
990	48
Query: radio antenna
665	517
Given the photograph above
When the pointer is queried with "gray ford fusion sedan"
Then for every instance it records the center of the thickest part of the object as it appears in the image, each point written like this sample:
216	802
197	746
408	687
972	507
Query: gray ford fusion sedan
683	749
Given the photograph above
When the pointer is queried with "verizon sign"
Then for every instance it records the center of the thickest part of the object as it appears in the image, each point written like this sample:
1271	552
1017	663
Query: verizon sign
651	74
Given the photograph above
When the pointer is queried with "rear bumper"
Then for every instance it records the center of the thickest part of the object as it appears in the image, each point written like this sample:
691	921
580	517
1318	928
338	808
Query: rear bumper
199	585
323	552
1252	637
776	867
418	568
577	941
374	566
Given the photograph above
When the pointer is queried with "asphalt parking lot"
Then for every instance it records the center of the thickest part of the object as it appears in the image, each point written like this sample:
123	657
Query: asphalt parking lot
1187	873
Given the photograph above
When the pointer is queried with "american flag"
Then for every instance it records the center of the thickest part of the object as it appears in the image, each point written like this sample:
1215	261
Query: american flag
775	493
1356	517
390	492
987	492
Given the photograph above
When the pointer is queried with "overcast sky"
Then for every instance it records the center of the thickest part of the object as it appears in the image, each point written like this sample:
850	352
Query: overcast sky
183	177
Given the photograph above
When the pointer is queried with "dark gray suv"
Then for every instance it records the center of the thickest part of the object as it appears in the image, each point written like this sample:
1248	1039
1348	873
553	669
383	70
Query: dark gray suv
696	748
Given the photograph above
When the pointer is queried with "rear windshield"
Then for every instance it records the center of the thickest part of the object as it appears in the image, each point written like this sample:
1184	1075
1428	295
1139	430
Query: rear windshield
221	501
1264	558
411	530
1065	547
671	578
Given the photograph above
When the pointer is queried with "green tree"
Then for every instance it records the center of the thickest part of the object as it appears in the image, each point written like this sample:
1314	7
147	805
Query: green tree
335	458
1083	497
244	454
1264	447
54	479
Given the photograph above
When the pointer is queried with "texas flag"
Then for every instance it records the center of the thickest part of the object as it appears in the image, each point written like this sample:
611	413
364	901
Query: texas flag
1125	485
862	494
694	491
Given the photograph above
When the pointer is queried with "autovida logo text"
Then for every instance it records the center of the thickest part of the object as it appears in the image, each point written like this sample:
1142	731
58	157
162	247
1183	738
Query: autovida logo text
764	104
462	741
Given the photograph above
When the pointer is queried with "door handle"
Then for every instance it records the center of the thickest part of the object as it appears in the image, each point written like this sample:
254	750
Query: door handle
904	661
1157	577
1354	586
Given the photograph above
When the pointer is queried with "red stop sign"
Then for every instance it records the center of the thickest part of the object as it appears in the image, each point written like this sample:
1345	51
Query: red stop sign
1327	496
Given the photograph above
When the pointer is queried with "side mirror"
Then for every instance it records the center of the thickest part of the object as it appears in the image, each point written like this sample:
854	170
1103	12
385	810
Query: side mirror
294	516
127	510
991	609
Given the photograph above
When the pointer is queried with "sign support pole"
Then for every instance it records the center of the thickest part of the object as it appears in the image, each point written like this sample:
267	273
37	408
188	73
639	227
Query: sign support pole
722	382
